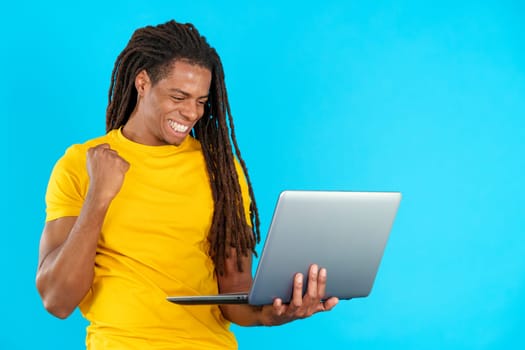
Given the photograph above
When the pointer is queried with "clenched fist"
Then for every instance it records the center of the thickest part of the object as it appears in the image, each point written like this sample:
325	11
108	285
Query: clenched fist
106	170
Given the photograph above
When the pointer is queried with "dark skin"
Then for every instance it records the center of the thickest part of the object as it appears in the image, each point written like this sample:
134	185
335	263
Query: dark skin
164	115
68	245
271	315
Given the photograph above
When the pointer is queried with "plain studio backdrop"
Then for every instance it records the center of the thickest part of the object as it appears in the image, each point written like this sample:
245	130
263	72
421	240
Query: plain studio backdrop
427	98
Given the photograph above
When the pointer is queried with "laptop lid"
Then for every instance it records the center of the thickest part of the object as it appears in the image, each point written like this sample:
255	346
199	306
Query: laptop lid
344	232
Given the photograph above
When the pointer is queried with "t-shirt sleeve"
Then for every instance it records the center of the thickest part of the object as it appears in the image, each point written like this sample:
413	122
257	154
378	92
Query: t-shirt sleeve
246	200
67	185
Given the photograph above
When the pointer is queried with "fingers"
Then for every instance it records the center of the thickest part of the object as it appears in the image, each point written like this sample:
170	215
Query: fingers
106	170
105	153
312	282
103	147
321	284
309	303
304	305
297	294
330	304
278	307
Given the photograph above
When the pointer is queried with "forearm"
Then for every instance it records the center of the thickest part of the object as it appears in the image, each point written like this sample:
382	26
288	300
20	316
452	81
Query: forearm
66	273
243	315
234	281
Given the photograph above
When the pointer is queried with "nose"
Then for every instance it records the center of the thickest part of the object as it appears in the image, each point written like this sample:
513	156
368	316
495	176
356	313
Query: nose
190	110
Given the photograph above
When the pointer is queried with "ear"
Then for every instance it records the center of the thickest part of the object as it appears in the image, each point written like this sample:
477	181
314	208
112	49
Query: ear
142	82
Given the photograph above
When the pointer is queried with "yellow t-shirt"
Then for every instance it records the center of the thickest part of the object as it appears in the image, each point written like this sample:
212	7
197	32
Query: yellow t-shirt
153	244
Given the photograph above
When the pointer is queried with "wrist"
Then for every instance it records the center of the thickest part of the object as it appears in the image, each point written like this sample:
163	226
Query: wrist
265	316
97	200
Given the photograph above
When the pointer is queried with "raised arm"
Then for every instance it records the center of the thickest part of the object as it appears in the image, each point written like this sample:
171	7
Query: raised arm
68	244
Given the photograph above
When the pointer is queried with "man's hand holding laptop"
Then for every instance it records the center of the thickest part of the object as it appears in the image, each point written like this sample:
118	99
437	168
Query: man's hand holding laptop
301	306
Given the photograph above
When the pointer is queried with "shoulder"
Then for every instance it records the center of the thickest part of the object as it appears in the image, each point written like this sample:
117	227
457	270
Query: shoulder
74	157
79	150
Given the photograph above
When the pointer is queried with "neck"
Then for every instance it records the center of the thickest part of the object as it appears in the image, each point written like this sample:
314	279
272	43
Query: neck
132	129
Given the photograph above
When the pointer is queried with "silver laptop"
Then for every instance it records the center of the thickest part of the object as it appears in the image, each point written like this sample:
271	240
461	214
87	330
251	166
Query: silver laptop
344	232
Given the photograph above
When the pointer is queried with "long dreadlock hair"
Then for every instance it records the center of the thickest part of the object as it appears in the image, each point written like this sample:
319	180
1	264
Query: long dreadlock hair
155	49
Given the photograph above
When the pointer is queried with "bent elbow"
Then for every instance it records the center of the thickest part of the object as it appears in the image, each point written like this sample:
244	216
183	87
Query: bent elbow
56	309
52	303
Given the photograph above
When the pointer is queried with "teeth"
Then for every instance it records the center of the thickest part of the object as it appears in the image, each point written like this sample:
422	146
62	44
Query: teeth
177	127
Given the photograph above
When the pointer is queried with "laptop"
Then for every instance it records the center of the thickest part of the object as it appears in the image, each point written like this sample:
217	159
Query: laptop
344	232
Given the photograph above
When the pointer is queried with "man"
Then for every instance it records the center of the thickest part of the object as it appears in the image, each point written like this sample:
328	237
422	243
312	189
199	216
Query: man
159	206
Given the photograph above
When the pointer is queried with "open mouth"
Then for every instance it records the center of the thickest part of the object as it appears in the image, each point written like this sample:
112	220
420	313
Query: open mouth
177	126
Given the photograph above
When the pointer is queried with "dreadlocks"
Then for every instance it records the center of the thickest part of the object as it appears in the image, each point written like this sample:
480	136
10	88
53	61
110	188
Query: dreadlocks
155	49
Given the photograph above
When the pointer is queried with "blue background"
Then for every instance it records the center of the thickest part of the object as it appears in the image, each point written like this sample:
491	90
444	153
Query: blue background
427	98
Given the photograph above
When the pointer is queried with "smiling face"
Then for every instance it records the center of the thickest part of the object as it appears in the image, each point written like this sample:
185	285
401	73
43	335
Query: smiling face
167	110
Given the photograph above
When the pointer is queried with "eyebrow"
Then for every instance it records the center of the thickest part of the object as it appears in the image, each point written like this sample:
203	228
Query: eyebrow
186	94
